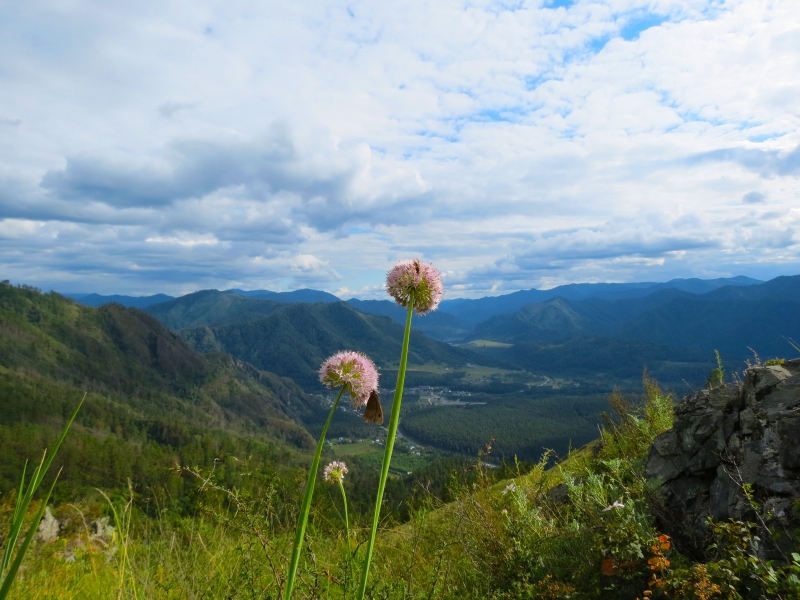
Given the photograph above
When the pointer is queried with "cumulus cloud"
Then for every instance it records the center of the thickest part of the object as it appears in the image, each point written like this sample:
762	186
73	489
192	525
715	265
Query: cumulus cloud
174	146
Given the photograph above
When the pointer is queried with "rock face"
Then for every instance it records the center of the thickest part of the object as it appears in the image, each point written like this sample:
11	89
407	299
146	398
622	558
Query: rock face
725	437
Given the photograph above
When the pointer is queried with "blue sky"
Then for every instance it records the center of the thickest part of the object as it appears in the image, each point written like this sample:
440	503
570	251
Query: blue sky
173	146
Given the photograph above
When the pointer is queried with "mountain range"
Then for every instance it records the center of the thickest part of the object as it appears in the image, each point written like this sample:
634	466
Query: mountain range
678	321
293	339
152	401
303	295
731	319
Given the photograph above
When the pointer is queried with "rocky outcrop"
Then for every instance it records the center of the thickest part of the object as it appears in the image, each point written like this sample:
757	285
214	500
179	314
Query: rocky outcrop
722	439
49	527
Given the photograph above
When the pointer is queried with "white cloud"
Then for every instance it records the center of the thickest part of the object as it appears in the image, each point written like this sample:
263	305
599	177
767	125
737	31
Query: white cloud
208	143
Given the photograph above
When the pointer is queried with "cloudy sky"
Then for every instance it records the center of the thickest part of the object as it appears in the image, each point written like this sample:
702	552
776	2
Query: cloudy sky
159	146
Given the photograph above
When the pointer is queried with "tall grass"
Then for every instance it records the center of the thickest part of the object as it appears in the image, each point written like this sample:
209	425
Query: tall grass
13	555
582	529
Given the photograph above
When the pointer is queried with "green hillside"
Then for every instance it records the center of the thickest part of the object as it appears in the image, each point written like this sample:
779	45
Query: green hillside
520	425
439	325
152	401
731	326
672	332
552	320
295	339
211	307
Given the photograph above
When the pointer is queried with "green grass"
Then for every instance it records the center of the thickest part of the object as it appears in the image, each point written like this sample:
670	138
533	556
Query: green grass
355	449
484	344
492	541
472	372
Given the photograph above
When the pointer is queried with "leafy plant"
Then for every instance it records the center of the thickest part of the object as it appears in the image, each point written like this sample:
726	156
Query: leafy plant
717	376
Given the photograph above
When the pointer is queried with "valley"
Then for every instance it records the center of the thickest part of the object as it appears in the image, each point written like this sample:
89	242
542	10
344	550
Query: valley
223	387
529	370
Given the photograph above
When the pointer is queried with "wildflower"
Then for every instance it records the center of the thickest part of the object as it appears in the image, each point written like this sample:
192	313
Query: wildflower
608	567
414	281
658	563
355	373
616	504
504	511
418	287
352	370
334	472
510	488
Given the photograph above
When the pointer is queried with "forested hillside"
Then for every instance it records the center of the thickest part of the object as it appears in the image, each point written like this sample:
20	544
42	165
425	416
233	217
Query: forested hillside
293	340
439	325
153	403
211	308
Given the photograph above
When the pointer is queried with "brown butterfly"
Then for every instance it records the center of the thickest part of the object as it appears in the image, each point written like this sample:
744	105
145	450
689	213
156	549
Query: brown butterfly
374	412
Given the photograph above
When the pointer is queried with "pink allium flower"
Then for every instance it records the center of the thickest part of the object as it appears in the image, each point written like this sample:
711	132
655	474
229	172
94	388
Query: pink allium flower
414	278
334	471
353	370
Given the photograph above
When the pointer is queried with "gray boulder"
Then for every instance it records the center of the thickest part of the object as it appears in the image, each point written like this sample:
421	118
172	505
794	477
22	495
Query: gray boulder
49	527
102	530
722	439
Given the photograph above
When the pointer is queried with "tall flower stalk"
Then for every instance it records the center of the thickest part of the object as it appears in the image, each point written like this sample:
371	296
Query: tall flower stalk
334	473
353	372
418	287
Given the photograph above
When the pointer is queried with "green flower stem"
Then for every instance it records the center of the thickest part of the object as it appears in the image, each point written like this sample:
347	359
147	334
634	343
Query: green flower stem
346	537
394	420
305	507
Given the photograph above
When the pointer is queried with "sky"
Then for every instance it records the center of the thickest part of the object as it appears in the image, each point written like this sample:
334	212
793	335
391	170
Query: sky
169	146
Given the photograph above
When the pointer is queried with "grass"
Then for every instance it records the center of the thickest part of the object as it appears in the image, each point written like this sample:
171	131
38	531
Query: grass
474	372
356	449
495	541
484	344
403	461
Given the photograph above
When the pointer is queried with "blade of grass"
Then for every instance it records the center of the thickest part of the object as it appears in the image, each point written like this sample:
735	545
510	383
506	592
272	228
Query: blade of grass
11	543
24	501
9	579
19	515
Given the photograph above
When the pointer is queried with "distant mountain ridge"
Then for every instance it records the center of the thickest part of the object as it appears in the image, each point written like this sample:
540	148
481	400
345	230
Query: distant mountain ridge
302	295
466	312
141	302
438	324
731	319
211	308
293	339
475	311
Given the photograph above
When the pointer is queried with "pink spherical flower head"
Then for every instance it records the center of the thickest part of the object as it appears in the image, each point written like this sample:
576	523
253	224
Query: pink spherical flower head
412	278
353	370
334	471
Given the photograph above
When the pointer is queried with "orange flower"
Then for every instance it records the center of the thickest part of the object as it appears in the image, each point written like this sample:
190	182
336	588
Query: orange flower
608	567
